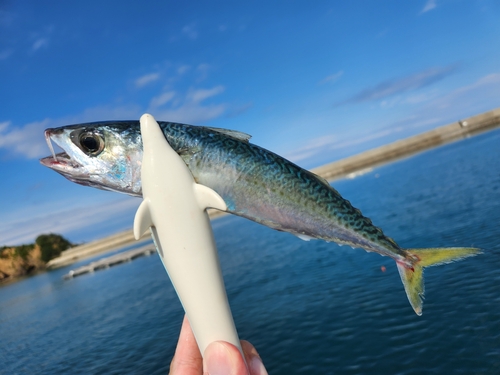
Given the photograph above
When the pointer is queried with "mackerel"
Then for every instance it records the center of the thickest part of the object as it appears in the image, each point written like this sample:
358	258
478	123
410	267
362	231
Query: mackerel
254	183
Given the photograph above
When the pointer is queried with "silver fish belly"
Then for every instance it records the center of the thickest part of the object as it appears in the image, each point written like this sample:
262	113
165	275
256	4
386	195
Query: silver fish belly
254	183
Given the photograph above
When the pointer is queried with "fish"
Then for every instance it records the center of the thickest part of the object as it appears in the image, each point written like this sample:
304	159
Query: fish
255	183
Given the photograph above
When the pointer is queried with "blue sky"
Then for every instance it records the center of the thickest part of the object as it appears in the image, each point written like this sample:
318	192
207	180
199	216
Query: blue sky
314	81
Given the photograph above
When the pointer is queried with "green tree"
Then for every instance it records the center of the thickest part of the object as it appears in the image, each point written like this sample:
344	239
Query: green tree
24	250
51	245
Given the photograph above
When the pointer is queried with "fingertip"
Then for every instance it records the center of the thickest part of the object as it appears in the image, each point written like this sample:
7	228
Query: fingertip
223	358
248	348
255	364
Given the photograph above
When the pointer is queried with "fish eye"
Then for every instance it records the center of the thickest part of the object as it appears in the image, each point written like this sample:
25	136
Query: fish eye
91	143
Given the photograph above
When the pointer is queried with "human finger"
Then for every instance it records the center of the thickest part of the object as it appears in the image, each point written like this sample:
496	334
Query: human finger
253	359
223	358
187	358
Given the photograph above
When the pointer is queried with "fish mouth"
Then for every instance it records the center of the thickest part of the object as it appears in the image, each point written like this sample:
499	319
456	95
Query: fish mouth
62	162
64	165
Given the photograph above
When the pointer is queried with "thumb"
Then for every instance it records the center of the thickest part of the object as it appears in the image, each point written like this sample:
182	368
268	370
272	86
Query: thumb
223	358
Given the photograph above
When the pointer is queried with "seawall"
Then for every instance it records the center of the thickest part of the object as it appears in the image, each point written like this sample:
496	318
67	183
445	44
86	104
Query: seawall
410	146
104	245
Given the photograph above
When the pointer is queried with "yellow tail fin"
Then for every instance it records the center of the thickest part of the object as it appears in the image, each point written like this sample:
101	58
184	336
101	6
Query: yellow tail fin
413	277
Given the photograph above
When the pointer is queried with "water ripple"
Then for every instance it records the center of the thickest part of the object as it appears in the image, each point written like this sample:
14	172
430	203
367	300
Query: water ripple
309	307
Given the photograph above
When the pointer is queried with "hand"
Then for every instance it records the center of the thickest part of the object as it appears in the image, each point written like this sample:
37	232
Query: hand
220	357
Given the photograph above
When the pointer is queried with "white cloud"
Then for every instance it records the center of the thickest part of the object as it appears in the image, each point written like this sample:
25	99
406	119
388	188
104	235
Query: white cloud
41	38
390	103
490	79
4	125
431	109
183	69
332	78
65	217
429	5
29	141
423	97
39	43
146	79
190	31
202	70
191	108
202	94
400	85
191	113
311	148
481	95
329	143
162	99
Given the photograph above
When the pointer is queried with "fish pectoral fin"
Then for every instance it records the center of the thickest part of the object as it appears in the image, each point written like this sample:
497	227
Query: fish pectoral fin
207	198
187	152
143	220
232	133
413	276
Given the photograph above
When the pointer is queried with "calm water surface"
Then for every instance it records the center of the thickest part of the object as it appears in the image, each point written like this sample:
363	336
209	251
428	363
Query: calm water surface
308	307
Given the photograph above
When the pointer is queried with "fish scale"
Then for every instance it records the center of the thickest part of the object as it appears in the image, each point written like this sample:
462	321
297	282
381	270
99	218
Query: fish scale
294	184
255	183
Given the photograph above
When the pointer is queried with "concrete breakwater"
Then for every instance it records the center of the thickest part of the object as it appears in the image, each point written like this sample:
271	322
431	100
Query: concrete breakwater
338	169
113	260
410	146
108	244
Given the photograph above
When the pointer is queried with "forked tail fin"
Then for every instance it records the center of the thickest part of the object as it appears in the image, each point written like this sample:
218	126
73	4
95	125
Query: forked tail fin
413	278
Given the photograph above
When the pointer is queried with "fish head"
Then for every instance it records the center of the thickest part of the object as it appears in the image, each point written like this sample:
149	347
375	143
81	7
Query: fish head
106	155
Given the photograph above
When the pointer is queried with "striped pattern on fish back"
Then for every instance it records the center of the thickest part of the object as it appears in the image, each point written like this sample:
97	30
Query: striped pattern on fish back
266	188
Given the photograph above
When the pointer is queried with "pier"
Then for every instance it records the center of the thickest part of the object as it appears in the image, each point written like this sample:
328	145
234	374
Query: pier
113	260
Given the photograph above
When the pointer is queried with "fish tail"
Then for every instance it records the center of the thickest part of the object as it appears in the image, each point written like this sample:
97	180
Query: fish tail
412	272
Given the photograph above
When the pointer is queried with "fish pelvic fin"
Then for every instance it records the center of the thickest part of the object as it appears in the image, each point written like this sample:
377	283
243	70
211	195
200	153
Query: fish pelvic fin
412	275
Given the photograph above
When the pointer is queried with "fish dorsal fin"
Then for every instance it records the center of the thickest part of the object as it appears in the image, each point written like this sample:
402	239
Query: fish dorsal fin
324	180
233	133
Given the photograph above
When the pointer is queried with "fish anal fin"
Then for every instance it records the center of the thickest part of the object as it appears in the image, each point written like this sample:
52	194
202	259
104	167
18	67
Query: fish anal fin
304	237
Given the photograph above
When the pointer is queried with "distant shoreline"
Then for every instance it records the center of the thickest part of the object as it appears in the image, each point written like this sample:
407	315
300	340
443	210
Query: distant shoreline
354	164
410	146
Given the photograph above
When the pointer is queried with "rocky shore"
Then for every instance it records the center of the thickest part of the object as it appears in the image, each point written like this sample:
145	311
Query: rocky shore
20	261
24	260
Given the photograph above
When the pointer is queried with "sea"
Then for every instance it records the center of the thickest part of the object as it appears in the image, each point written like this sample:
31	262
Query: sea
308	307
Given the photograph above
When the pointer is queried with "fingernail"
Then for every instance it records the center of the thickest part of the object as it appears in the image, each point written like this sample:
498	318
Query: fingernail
217	360
257	367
